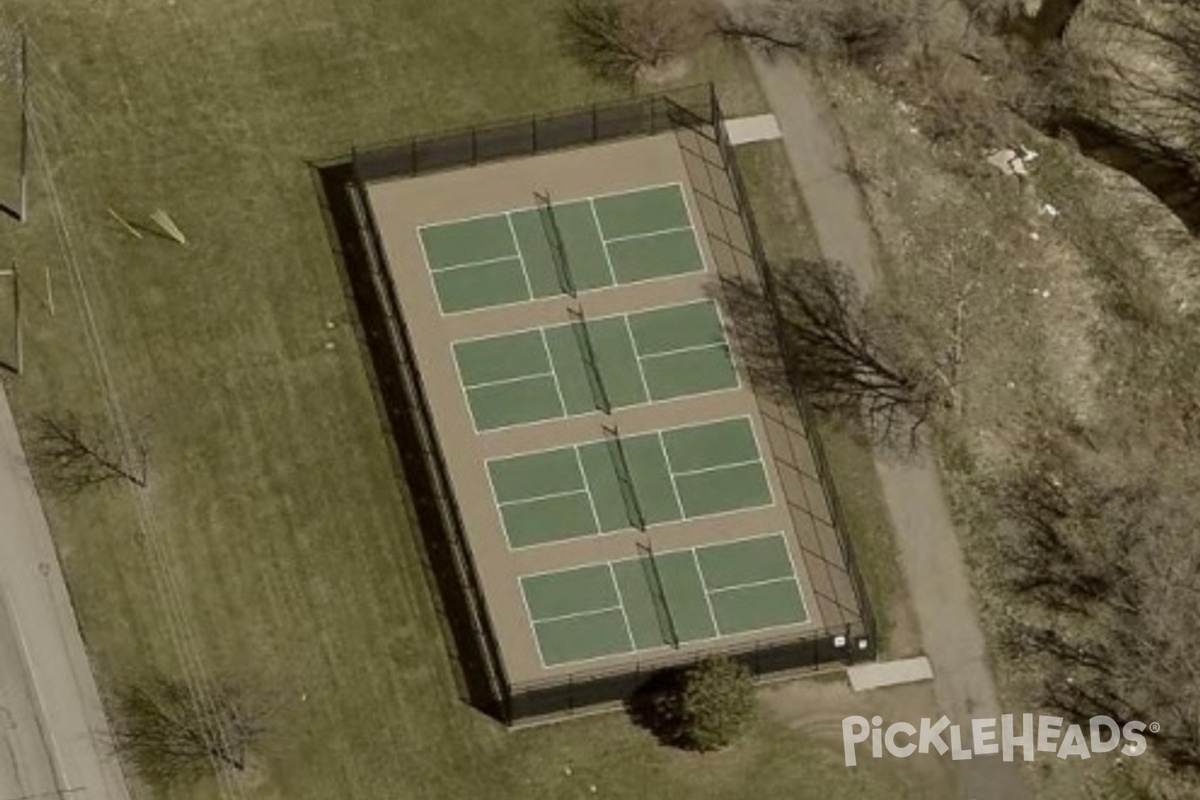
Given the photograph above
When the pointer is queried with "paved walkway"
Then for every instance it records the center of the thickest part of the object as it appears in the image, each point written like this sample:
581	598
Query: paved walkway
927	542
52	726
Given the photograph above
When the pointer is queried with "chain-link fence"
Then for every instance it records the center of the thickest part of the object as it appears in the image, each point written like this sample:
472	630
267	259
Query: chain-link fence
693	111
640	116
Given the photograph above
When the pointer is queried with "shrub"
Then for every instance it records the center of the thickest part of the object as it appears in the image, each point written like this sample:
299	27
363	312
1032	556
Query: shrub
715	704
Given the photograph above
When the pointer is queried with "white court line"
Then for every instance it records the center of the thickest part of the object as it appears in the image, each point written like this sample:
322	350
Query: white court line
637	360
751	584
671	474
740	539
601	440
520	258
634	313
587	486
456	220
595	412
687	204
713	422
624	614
463	392
712	614
562	402
641	189
685	517
469	264
730	340
573	615
717	635
679	350
502	381
599	231
537	642
649	188
648	234
766	472
612	273
558	297
540	497
730	465
796	577
557	202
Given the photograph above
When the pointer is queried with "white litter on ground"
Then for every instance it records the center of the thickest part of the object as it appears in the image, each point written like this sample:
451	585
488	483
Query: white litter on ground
1010	162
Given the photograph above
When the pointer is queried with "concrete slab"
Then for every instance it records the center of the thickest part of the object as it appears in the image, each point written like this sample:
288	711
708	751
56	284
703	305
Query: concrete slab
744	130
864	677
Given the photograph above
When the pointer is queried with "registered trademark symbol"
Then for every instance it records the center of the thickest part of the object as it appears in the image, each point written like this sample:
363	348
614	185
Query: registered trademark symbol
1155	727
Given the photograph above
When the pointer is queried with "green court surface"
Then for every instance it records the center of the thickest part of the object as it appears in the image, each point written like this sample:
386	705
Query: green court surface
564	247
595	364
624	482
663	599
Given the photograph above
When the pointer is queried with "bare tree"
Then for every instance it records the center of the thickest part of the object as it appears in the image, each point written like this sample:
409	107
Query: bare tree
623	39
77	458
1104	571
1124	81
173	732
815	333
855	30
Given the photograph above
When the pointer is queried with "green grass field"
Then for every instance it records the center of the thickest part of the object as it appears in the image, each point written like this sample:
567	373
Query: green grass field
274	496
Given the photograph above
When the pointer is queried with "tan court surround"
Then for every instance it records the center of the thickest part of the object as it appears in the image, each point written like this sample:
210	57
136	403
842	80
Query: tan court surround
399	207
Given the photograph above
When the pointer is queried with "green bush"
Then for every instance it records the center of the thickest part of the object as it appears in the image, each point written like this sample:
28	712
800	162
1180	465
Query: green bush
715	704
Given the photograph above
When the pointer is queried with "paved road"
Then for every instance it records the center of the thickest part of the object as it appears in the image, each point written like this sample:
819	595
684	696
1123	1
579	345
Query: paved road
52	727
927	542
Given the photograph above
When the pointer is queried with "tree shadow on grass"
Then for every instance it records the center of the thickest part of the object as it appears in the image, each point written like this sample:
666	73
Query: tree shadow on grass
655	707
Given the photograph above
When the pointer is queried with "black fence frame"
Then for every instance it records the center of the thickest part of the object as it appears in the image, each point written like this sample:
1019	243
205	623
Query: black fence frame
399	392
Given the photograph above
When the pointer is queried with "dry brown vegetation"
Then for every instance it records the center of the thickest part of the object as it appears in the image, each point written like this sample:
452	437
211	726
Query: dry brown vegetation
1071	293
